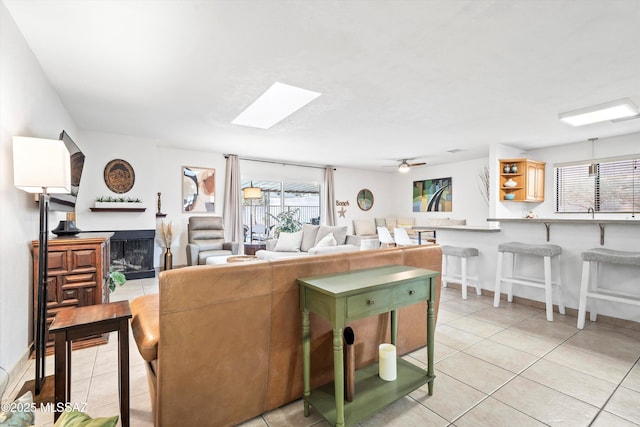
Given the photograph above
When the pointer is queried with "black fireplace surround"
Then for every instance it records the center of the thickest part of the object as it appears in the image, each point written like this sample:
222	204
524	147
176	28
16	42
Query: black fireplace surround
132	253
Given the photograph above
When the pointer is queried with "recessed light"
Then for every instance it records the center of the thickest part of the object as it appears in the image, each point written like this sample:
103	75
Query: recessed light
613	110
278	102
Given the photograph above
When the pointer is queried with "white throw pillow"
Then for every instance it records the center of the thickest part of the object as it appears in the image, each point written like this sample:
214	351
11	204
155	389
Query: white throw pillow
326	241
364	227
289	242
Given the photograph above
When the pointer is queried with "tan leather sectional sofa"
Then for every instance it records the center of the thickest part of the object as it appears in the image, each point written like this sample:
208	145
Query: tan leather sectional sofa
223	342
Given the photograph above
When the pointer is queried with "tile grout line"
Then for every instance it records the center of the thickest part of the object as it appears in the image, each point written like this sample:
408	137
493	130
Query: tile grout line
614	392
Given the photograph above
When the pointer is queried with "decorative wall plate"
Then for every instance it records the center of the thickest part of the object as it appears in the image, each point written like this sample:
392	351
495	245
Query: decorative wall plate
119	176
365	199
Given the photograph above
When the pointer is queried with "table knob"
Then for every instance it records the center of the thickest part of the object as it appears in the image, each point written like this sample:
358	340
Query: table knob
370	302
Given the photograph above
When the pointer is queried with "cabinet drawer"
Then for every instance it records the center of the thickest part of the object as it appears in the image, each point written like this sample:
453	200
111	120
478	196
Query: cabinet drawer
410	293
368	303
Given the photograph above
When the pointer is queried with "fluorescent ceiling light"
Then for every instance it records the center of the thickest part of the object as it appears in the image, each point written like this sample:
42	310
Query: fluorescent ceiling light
277	103
613	110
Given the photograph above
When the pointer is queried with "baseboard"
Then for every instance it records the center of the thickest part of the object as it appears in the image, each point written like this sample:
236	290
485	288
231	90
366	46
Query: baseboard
15	374
613	321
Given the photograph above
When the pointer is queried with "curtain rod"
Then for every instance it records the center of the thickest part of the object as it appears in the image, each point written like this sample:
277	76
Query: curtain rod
278	163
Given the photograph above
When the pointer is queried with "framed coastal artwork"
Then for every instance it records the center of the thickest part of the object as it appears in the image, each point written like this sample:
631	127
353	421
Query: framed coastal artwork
198	189
432	195
365	199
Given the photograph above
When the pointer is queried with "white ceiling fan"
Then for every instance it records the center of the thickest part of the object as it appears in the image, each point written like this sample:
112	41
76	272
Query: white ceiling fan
404	165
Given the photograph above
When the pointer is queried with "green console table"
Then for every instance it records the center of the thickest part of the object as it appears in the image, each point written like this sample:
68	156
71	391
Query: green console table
344	297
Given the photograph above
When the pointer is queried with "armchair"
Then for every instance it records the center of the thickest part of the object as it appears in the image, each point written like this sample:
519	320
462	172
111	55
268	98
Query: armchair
205	236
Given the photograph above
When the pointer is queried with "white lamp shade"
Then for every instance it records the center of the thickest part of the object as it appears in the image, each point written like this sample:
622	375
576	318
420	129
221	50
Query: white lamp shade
252	193
41	163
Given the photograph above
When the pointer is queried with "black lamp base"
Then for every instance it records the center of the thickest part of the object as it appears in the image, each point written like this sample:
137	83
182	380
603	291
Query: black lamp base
66	228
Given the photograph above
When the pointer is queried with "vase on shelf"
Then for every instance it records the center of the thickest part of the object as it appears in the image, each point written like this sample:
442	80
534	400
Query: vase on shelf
168	259
507	169
514	168
510	183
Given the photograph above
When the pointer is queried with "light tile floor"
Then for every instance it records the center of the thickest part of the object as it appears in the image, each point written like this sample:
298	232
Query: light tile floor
495	367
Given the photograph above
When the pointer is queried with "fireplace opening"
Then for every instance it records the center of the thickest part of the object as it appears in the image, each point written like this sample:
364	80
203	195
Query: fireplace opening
132	253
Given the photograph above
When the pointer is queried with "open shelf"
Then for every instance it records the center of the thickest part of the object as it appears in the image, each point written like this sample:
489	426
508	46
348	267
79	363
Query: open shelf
118	209
371	392
529	178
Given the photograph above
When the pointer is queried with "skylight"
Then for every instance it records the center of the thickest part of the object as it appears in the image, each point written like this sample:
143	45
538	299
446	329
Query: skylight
277	103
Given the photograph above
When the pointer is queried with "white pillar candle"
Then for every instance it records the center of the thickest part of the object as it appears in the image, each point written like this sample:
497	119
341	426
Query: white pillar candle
387	362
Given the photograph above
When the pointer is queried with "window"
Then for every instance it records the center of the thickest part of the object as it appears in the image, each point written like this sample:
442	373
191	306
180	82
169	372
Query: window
278	196
615	187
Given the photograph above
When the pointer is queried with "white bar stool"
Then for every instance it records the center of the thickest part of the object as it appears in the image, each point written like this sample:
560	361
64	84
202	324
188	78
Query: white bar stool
463	278
590	289
547	252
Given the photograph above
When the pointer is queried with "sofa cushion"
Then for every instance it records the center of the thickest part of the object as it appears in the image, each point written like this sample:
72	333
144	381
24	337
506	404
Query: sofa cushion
333	249
391	222
273	255
326	241
339	233
289	242
309	233
363	227
203	255
76	418
380	222
145	325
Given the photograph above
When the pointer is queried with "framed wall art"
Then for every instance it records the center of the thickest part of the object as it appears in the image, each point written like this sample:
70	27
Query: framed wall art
198	189
365	199
119	176
432	195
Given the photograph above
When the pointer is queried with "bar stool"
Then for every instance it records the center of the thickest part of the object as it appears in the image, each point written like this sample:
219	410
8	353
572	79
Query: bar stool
463	278
597	256
547	252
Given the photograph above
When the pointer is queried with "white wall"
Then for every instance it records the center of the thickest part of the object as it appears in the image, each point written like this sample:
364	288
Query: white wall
573	238
28	107
606	147
159	168
467	200
347	184
168	181
99	149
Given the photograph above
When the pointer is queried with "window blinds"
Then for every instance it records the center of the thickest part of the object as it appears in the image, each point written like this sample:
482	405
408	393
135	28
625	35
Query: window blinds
614	188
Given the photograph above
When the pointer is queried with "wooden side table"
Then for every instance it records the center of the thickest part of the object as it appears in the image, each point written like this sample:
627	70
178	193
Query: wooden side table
344	297
75	323
421	230
252	248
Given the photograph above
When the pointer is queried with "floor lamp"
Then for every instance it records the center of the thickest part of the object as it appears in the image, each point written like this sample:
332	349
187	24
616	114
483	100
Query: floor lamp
41	166
251	193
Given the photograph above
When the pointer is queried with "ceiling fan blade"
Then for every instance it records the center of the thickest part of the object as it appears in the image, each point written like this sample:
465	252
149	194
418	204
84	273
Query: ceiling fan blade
417	164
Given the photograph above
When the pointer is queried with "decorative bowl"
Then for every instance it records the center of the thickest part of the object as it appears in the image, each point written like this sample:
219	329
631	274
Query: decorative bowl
509	196
510	183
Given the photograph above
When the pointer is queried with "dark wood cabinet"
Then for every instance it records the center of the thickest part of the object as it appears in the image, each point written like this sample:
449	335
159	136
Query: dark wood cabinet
78	276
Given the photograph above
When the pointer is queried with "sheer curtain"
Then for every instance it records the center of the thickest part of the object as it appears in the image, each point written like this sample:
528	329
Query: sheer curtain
329	201
232	201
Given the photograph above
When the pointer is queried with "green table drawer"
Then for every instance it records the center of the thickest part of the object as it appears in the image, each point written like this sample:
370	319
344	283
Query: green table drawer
410	293
369	303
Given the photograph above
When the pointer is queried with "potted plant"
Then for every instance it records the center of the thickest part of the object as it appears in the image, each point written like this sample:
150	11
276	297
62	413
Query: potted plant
116	278
288	222
116	202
